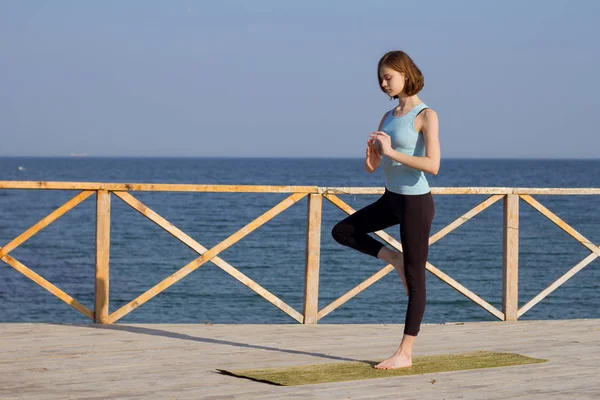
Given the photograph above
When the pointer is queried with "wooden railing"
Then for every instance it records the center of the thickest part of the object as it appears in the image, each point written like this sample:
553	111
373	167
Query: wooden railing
311	314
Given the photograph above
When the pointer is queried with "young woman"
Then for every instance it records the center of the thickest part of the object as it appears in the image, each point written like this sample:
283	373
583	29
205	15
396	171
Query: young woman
407	142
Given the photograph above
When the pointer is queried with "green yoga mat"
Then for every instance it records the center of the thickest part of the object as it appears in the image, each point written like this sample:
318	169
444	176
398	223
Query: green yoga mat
349	371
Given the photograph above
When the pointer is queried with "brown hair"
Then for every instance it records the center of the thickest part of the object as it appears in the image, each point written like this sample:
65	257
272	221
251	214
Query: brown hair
401	62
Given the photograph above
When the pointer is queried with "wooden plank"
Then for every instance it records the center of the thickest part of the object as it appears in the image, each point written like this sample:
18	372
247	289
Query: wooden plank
472	190
58	361
102	281
465	217
557	191
510	258
193	265
468	190
44	222
313	248
557	283
561	224
48	286
198	248
465	292
367	282
152	187
355	290
398	246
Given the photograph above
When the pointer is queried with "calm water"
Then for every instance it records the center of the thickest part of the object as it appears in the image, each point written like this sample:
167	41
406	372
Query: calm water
142	254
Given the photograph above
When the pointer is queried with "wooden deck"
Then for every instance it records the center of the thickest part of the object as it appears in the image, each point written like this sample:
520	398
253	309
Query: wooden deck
160	361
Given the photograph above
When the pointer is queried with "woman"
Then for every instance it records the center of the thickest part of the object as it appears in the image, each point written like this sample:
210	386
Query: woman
407	141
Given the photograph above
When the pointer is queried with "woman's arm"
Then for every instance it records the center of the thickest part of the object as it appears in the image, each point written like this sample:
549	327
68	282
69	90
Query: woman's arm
431	161
373	158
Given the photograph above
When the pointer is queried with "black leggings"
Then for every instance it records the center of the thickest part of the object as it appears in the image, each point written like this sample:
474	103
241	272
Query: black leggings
415	214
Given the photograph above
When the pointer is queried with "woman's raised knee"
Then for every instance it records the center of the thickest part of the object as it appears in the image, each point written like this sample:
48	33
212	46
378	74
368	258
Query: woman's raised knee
340	232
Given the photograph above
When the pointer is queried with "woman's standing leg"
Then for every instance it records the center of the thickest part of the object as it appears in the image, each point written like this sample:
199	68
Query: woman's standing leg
415	226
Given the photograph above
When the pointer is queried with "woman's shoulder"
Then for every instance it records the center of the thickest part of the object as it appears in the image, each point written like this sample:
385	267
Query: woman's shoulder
425	119
427	113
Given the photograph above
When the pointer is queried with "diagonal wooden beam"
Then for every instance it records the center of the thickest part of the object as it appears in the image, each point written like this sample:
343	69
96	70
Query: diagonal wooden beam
388	268
207	256
355	290
583	263
367	282
160	221
465	292
561	224
465	217
48	286
431	268
44	222
198	248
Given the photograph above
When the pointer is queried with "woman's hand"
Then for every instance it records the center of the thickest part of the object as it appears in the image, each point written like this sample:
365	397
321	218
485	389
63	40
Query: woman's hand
373	156
384	140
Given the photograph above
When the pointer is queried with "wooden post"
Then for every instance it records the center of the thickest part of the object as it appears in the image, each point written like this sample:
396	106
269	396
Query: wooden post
313	249
102	256
510	257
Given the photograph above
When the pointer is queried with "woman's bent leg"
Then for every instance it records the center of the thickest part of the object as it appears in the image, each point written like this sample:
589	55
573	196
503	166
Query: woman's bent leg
353	231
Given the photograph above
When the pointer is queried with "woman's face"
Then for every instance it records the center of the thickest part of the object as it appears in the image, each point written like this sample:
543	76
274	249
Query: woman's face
392	81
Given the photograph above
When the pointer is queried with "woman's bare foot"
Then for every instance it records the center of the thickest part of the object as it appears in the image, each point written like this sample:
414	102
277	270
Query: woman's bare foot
397	260
402	358
398	360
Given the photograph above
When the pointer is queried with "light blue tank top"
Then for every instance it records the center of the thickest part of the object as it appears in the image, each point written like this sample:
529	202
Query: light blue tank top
401	178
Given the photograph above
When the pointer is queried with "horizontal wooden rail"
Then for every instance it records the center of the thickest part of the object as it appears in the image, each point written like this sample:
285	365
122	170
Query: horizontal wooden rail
315	194
155	187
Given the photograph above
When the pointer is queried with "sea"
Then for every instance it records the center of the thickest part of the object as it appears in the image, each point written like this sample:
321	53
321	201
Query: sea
143	254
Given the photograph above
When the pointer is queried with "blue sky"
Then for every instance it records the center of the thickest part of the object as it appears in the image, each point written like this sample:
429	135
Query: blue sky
509	79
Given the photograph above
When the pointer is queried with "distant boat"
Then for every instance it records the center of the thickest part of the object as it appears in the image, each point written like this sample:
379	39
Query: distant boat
21	168
79	154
